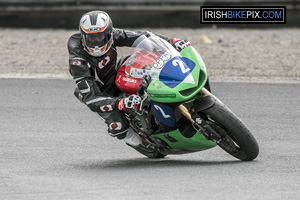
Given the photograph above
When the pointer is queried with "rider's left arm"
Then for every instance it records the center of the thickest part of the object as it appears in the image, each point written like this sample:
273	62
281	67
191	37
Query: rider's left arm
127	38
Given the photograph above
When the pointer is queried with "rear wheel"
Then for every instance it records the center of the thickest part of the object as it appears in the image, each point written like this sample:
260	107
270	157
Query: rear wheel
147	148
149	152
236	139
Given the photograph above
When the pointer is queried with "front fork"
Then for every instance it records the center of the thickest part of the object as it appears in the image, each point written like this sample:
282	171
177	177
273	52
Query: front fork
204	101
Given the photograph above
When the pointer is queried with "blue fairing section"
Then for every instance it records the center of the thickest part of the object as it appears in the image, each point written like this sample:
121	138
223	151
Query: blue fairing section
176	70
164	114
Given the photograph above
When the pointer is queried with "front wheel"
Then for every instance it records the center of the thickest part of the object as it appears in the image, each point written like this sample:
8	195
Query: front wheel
236	139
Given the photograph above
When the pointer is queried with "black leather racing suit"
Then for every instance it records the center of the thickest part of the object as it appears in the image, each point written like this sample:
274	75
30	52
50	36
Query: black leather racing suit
95	78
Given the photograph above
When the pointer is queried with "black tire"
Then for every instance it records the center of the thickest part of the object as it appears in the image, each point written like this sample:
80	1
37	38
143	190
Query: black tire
237	140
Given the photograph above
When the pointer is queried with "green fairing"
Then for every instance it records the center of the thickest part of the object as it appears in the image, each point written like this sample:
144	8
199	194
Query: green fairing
196	143
159	92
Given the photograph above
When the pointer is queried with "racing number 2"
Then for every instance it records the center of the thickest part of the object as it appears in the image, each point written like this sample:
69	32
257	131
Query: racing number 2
181	65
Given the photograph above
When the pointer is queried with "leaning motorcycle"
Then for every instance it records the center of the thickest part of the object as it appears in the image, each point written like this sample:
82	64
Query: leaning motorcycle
178	113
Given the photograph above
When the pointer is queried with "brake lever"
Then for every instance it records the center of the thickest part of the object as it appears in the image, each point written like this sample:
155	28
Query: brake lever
144	97
142	89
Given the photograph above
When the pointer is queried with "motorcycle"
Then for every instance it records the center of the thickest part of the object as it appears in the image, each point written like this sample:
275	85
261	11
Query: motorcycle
178	113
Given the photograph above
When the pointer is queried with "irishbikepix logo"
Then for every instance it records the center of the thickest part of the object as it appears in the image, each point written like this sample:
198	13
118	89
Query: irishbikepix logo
243	14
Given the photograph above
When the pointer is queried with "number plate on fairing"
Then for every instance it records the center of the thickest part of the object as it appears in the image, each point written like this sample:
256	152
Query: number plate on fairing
176	71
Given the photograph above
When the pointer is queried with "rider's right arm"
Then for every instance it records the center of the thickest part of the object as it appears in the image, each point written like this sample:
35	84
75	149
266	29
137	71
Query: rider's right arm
81	71
90	92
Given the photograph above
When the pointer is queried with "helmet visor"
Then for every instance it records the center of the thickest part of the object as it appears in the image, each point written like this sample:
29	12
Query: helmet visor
97	39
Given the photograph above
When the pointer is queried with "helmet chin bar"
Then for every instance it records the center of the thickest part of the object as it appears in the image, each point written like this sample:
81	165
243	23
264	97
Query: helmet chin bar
96	51
96	48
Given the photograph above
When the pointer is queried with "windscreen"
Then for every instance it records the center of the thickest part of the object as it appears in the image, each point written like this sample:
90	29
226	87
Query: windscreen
149	57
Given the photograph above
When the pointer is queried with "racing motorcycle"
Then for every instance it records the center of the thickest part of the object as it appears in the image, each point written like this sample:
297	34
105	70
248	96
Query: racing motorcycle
178	113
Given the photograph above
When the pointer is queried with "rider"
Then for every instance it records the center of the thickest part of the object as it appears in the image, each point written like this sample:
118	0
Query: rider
93	65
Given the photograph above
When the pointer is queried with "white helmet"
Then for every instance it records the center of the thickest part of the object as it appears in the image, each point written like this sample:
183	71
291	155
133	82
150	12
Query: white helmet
96	31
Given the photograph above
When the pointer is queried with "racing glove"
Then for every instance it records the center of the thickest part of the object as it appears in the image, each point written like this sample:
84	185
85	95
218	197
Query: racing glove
130	102
180	44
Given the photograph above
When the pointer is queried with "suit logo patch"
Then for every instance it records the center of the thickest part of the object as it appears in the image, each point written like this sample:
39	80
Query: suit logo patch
103	62
115	126
77	62
106	108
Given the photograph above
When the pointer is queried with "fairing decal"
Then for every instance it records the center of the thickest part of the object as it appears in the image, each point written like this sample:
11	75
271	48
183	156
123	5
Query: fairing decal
163	114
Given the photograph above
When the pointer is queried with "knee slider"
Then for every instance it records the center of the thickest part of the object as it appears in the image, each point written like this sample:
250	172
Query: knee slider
78	95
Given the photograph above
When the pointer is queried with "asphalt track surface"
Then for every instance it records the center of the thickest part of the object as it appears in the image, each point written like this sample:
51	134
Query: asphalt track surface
53	147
